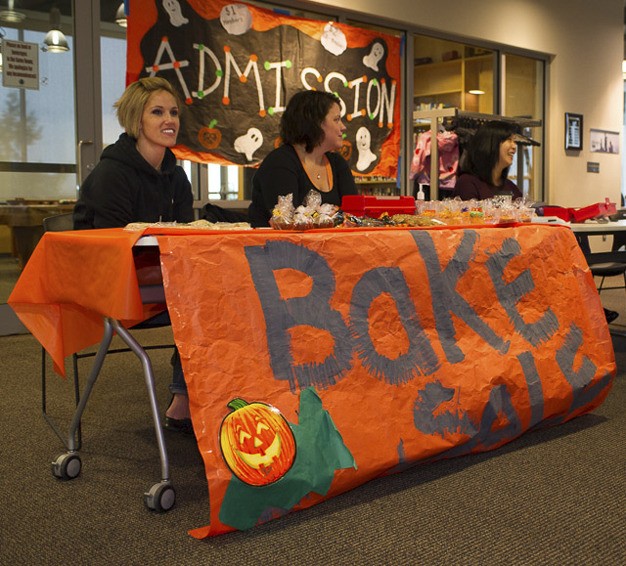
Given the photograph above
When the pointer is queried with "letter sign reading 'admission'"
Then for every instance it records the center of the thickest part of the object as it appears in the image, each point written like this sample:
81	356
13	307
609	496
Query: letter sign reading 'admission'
237	65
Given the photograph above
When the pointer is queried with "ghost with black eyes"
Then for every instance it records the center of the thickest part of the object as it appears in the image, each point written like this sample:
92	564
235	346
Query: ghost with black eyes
375	55
363	144
172	7
249	143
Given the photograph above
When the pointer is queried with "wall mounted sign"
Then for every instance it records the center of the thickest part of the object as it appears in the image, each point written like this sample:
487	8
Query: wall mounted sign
237	65
20	67
573	131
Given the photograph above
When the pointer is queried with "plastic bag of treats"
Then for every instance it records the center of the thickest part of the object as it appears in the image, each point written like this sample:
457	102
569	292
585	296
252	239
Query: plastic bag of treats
303	218
326	216
282	215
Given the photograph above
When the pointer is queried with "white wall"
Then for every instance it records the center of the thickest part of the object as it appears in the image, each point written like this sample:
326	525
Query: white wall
585	39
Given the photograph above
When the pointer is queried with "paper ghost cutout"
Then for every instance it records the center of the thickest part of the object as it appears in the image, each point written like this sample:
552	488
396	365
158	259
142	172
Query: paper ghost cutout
236	19
333	39
172	7
249	143
375	55
363	143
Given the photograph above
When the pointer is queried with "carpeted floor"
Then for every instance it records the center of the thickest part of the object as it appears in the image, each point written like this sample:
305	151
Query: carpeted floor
555	496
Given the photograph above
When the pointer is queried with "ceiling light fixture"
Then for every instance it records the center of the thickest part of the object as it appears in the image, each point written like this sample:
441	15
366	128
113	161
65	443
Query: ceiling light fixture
55	40
120	16
11	15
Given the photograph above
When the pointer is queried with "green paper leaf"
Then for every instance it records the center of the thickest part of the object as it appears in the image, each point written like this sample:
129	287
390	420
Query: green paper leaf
320	451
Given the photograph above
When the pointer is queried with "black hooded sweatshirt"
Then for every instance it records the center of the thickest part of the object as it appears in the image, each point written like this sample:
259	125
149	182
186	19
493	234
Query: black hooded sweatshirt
125	188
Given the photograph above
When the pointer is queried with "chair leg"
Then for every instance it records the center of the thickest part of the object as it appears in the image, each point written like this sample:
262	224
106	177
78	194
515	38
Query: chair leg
49	419
146	364
79	435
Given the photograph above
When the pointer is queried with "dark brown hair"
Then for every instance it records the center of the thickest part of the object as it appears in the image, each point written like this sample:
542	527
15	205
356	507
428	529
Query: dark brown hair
302	121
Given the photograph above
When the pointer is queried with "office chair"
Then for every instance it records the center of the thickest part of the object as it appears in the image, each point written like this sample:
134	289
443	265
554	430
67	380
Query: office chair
605	269
611	269
67	466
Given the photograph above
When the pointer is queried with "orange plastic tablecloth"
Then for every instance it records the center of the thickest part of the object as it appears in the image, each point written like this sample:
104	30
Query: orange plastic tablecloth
379	348
71	281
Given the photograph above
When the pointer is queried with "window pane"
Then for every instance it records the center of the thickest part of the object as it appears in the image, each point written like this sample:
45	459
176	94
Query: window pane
113	56
448	74
523	87
49	111
523	98
215	181
38	127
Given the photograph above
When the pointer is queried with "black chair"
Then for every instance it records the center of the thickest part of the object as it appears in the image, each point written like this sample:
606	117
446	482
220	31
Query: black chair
58	222
161	495
64	222
612	269
605	269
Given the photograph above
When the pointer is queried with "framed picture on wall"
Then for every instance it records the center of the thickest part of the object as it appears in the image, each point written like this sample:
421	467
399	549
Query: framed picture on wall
573	131
603	141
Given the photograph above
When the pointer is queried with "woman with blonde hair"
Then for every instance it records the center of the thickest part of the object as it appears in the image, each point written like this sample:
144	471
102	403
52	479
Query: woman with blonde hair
138	180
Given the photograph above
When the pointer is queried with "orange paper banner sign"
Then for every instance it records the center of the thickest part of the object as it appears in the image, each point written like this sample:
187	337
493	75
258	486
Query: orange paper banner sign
391	346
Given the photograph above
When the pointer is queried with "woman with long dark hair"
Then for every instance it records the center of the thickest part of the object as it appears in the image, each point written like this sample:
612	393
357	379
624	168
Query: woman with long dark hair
485	166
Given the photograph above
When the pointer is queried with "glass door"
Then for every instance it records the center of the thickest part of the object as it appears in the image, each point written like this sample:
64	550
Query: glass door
55	120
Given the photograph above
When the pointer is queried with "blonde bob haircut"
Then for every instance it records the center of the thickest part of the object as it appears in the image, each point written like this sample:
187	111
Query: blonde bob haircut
130	106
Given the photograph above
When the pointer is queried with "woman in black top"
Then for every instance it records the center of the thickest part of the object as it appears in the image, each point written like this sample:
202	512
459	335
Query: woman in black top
138	180
312	131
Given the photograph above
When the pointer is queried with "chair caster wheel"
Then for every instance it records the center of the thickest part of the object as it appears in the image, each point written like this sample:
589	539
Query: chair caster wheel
160	498
67	466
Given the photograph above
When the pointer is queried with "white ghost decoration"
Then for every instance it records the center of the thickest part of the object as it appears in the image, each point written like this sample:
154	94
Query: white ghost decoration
249	143
333	39
363	143
236	19
172	7
376	54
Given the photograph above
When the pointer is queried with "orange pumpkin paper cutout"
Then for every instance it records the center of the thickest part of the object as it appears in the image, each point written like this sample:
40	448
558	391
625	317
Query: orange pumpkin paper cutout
346	150
209	136
257	443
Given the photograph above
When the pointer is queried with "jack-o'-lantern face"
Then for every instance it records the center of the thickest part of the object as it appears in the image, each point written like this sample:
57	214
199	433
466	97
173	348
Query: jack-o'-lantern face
346	150
209	136
257	442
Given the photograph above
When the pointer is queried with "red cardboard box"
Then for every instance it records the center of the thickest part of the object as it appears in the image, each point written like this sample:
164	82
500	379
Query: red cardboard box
374	206
605	208
558	211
